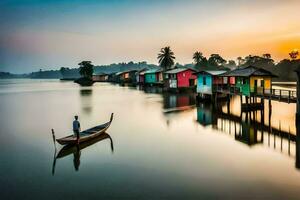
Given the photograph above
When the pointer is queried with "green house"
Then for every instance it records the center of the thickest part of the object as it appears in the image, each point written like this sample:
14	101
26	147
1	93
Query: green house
249	80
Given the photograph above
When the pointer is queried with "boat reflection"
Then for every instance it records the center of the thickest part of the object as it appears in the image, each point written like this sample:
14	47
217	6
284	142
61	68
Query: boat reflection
250	128
76	150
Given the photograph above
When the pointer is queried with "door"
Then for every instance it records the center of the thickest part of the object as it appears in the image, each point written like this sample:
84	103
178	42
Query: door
255	86
262	85
192	82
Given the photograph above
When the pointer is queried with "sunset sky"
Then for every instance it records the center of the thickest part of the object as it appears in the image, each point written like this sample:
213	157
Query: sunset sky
50	34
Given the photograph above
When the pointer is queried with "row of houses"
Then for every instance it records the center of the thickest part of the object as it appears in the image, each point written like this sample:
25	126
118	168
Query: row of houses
245	81
173	79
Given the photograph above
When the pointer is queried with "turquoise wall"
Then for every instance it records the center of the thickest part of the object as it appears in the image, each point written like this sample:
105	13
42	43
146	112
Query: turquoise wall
150	78
205	89
244	88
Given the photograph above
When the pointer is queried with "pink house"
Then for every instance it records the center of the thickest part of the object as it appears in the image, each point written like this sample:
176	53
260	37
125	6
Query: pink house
180	78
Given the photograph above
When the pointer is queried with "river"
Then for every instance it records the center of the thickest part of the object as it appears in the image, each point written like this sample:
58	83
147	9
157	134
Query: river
163	146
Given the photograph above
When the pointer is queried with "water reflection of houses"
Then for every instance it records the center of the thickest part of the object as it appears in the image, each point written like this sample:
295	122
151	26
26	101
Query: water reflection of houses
150	90
175	105
205	114
247	129
178	101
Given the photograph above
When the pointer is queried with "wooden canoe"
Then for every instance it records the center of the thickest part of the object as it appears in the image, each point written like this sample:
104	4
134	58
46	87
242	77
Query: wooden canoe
72	148
76	149
87	134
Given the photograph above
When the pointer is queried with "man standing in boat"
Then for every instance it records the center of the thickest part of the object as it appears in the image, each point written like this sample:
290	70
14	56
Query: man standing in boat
76	128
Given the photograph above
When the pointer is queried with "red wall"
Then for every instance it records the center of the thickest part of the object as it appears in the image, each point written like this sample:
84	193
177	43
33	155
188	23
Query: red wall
232	80
184	77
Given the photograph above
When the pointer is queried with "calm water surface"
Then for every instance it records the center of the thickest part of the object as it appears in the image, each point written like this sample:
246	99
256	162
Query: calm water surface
161	147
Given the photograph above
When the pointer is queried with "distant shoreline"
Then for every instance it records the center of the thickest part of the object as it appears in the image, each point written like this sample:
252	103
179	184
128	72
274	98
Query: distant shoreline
276	83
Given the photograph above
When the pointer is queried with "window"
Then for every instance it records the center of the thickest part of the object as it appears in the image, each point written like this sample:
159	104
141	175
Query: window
244	81
225	80
232	80
204	80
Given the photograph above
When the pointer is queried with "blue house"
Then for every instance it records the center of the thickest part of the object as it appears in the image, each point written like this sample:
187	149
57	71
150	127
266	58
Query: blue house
207	81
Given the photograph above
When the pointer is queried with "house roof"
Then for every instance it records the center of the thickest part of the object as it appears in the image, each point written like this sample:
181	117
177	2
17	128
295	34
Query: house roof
127	71
177	70
99	73
213	68
249	71
118	73
150	71
212	72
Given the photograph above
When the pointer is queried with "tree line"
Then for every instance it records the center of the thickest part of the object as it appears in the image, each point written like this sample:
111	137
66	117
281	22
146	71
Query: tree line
166	59
283	69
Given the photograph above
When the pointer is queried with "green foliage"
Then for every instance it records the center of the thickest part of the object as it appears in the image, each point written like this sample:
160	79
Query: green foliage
166	58
254	60
266	56
230	64
240	61
63	71
216	60
86	69
294	54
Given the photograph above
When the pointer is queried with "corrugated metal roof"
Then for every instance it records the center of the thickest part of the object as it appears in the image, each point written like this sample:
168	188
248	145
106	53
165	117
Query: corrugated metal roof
216	72
212	72
248	71
177	70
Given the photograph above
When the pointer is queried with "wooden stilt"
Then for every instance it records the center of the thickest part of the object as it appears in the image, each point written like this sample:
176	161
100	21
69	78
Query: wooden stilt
289	140
53	137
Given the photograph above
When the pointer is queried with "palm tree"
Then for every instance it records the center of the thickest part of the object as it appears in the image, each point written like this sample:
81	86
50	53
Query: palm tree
166	58
197	57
